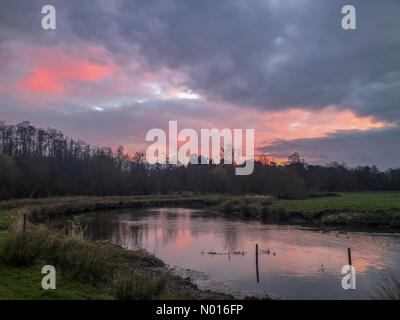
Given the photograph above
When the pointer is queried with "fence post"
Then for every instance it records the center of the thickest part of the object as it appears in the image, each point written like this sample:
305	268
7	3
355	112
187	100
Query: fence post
351	267
349	254
258	277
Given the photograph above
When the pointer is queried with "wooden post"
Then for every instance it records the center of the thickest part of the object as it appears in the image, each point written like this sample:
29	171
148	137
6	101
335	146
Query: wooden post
349	254
351	267
24	224
258	277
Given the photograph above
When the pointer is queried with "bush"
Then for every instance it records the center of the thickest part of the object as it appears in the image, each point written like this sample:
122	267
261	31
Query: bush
245	209
274	214
228	206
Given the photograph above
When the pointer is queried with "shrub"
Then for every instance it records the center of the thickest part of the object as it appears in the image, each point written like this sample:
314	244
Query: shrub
246	209
274	214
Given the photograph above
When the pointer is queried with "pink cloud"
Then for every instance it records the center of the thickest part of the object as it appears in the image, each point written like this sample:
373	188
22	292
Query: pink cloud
52	75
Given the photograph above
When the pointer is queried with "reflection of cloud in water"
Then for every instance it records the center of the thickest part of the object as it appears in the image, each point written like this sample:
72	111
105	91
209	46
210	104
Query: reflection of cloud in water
178	236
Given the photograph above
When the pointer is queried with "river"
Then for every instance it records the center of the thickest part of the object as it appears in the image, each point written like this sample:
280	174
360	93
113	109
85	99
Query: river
218	252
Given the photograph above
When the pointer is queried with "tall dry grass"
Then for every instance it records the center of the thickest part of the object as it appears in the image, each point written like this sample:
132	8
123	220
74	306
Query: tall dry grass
127	274
128	285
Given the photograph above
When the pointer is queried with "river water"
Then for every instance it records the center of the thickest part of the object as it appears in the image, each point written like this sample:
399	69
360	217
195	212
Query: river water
218	252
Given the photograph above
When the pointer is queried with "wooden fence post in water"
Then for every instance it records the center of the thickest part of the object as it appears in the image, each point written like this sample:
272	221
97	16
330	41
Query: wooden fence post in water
258	278
349	254
351	267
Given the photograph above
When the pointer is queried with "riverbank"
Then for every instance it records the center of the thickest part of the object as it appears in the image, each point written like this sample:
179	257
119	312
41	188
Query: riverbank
377	211
85	269
41	210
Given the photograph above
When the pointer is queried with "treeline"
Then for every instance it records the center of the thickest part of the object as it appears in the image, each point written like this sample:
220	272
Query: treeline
43	162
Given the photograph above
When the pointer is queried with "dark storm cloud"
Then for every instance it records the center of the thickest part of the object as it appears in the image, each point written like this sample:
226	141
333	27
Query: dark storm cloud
373	147
270	54
19	17
264	53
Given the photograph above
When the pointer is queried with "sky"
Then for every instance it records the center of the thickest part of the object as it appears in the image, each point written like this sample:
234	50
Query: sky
114	69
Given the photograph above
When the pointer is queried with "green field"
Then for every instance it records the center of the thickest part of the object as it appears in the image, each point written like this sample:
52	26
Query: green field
373	210
377	210
367	203
25	283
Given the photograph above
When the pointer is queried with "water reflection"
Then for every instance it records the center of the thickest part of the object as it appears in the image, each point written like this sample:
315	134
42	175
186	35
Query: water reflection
301	264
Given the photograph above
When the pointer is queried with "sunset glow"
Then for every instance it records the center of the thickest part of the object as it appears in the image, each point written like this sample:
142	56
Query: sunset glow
53	80
131	86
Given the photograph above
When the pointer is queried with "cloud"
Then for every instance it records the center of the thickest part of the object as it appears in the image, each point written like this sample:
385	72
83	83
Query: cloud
51	75
127	123
266	54
354	147
114	68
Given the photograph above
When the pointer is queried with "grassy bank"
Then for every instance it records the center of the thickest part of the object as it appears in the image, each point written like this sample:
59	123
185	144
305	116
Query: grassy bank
85	269
44	209
378	210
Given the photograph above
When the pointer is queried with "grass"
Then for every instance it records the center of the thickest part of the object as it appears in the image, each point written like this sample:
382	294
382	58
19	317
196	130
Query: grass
378	209
85	269
92	265
43	209
5	220
368	203
25	283
380	206
129	286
